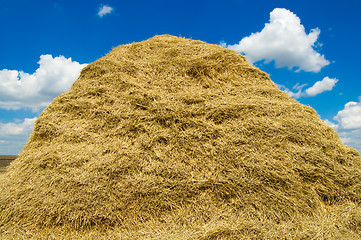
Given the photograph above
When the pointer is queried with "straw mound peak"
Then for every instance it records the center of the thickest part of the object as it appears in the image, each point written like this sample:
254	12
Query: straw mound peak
177	131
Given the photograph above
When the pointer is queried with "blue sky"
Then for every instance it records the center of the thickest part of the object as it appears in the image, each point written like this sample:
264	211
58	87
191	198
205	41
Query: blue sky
310	49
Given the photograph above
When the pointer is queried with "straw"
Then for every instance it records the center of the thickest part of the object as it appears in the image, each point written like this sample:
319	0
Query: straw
175	138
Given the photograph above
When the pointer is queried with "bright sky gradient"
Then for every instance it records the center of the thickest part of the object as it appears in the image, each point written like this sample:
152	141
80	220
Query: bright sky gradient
310	49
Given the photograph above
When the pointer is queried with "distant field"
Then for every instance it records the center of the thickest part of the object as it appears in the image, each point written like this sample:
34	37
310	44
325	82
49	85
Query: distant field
5	161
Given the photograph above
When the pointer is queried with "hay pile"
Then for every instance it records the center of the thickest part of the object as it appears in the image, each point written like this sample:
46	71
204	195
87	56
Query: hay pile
177	138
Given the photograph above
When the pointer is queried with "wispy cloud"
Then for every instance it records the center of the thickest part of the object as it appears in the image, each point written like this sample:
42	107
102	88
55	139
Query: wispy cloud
326	84
104	10
284	41
23	90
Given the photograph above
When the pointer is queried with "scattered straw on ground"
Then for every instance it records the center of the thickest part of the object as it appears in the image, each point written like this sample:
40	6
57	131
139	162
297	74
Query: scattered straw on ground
172	138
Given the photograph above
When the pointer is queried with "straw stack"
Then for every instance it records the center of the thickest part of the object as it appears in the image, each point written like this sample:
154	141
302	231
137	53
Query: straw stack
172	138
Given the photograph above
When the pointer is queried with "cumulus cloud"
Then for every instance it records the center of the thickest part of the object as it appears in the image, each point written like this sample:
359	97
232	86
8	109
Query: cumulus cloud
23	90
350	116
321	86
14	135
330	124
348	124
104	10
284	41
326	84
17	128
351	138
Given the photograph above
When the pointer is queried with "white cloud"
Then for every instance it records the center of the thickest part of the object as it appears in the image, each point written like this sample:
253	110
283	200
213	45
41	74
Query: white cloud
284	41
104	10
14	135
17	129
23	90
292	94
350	116
326	84
330	124
321	86
348	124
351	138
